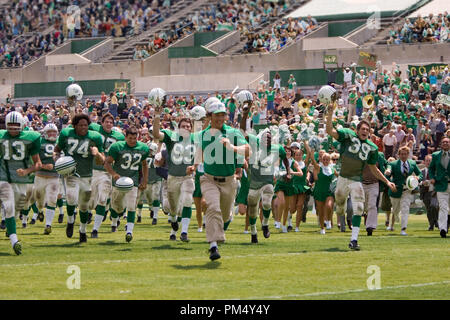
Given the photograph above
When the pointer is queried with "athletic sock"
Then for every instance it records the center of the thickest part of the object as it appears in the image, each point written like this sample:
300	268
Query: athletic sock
226	225
114	218
212	244
185	219
70	210
35	215
130	221
83	221
139	207
179	219
173	232
97	222
24	216
49	214
155	212
266	214
35	208
289	219
356	222
11	229
252	222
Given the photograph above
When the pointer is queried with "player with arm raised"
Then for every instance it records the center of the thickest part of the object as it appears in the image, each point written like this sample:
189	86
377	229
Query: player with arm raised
101	180
127	159
18	148
356	151
83	145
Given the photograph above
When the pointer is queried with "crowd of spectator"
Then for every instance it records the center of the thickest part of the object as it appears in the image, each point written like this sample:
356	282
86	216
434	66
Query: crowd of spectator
431	28
282	33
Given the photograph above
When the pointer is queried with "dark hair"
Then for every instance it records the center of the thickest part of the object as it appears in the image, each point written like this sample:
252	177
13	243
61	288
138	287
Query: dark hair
360	124
185	120
80	116
131	130
107	115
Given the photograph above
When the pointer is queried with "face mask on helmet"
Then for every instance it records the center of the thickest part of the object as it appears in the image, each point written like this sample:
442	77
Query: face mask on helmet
14	122
51	135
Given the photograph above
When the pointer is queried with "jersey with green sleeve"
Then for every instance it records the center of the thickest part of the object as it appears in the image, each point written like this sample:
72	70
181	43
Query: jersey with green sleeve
181	152
263	161
355	154
16	153
107	138
46	155
79	148
152	175
128	160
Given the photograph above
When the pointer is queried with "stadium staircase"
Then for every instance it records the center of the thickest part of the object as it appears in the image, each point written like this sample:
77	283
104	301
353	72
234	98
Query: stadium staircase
124	47
238	47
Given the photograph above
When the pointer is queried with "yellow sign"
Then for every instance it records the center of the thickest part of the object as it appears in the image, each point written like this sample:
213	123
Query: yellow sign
121	86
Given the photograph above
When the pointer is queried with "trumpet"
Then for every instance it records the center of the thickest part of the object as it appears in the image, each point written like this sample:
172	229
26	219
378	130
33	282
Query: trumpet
368	101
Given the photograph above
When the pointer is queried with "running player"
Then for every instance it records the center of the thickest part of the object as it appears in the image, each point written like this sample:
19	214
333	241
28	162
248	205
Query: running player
130	160
356	152
101	180
17	149
83	145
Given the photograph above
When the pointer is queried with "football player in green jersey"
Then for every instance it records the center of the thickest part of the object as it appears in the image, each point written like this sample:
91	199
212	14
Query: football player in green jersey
127	159
83	145
17	149
101	180
46	182
356	151
180	181
153	190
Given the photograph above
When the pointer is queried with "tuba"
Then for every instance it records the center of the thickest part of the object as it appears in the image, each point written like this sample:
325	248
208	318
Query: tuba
304	105
368	102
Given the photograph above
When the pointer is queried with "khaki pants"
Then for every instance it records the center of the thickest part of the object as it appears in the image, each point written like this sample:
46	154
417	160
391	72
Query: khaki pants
121	200
179	193
23	196
46	190
371	192
264	194
345	187
7	199
151	193
351	111
219	197
443	199
401	206
78	192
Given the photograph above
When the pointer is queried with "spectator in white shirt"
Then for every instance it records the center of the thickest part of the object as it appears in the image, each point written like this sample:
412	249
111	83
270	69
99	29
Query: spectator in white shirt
389	142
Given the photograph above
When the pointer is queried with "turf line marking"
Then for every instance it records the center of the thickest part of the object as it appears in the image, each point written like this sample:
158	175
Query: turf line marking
314	294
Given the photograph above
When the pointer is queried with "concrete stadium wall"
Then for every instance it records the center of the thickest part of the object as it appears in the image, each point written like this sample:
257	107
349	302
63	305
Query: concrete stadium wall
225	42
100	50
63	59
361	35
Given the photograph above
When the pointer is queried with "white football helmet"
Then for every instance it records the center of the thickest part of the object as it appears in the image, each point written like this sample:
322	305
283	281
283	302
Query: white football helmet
243	97
209	102
198	113
51	127
327	94
74	91
14	117
153	148
156	97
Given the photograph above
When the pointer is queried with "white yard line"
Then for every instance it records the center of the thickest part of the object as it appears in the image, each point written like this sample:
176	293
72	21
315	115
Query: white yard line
315	294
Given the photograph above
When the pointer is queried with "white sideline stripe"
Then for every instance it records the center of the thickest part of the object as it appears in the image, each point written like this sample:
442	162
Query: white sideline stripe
314	294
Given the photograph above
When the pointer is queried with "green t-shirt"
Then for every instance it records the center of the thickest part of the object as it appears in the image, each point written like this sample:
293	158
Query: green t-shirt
352	97
46	155
152	175
181	152
355	154
79	147
122	99
270	95
16	153
262	162
411	122
219	161
128	160
230	105
44	117
107	139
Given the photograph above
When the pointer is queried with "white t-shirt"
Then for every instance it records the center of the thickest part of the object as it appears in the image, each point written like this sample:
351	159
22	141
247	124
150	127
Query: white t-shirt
389	141
348	76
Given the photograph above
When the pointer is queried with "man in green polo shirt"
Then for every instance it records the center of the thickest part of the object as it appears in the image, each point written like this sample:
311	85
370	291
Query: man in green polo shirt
222	149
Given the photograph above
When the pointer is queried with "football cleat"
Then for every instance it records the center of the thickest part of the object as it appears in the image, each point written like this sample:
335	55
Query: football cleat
89	218
139	220
48	230
443	233
289	228
24	225
113	229
154	221
128	237
33	221
17	248
69	230
266	232
41	216
174	225
173	237
60	218
254	238
3	225
104	217
369	231
83	237
184	237
354	245
214	253
151	214
94	234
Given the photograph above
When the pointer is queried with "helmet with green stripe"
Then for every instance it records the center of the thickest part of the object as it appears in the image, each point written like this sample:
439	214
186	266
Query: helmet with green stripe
14	122
65	166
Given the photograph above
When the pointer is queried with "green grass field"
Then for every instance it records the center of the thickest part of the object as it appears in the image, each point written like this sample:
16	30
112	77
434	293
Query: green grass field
296	266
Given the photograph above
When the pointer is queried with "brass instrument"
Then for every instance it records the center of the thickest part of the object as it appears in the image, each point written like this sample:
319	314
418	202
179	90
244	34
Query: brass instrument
368	102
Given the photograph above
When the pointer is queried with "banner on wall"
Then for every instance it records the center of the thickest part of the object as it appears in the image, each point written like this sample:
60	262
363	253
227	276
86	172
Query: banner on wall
426	69
367	60
330	59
